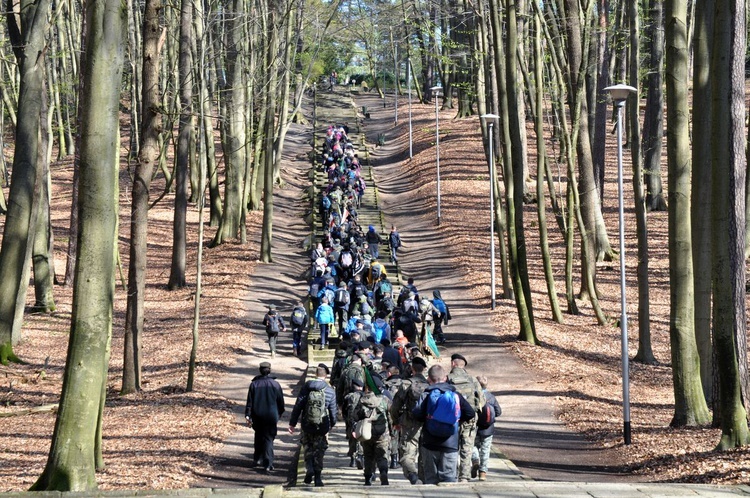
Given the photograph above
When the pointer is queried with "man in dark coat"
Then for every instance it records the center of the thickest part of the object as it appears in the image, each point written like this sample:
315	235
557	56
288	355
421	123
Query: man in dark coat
265	404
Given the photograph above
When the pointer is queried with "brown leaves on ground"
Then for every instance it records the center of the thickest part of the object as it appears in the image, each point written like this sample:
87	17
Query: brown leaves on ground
578	360
163	436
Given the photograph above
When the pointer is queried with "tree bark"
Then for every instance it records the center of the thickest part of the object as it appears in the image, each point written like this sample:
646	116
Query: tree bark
71	462
653	124
690	404
144	171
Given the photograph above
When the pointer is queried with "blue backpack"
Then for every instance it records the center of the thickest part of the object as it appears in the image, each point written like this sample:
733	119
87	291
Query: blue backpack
443	413
378	330
440	306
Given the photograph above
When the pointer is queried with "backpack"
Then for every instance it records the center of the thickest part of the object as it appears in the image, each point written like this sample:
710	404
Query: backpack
486	417
439	305
413	393
385	286
326	202
376	270
316	415
388	304
314	289
469	388
342	297
403	295
346	259
378	326
274	325
298	316
443	413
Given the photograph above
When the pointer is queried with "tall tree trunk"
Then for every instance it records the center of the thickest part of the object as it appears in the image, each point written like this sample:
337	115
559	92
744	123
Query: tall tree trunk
690	404
645	353
185	149
653	125
144	171
268	142
702	230
728	209
28	40
42	256
71	462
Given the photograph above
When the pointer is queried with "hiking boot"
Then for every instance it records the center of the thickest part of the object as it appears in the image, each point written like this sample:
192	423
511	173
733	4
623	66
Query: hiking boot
413	478
384	478
474	469
394	461
318	480
308	478
482	476
368	479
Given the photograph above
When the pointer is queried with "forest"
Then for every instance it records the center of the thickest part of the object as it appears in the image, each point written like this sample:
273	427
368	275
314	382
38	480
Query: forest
196	98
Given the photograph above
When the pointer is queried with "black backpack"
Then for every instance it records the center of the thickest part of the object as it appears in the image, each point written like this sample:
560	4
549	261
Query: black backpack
342	297
274	324
298	316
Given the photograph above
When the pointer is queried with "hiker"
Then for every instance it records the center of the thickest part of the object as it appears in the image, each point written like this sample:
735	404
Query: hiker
373	409
265	404
341	305
407	322
480	456
374	240
394	240
380	327
393	381
351	401
353	370
298	321
316	406
274	324
317	283
324	318
468	387
441	315
405	399
437	409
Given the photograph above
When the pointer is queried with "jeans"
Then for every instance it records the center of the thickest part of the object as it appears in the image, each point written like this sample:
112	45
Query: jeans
324	327
439	466
272	342
481	453
296	337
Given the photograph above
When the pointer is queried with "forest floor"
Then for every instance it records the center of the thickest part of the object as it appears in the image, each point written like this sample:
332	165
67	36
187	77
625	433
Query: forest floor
164	437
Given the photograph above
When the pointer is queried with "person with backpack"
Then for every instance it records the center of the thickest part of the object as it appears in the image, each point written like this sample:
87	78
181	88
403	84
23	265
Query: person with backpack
316	407
441	409
380	328
346	263
405	399
353	370
468	387
373	409
394	240
341	305
441	316
376	273
480	456
374	240
348	408
324	318
265	404
274	324
382	287
298	321
317	283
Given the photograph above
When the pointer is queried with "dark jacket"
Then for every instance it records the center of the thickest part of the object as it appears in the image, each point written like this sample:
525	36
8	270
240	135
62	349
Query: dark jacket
267	323
301	403
494	405
265	400
390	354
449	445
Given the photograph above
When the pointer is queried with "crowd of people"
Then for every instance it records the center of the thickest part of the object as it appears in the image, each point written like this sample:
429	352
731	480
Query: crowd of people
435	423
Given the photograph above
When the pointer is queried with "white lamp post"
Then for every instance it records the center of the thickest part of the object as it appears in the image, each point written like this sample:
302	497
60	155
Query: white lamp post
490	119
619	94
408	83
436	91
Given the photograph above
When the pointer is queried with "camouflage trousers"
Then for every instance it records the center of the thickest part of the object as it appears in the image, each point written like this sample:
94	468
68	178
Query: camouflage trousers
376	452
314	448
355	449
467	434
408	449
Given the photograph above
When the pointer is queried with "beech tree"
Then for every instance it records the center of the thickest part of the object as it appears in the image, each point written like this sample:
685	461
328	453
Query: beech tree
72	458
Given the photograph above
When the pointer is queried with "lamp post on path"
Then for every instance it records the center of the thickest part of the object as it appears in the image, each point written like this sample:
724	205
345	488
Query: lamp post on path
436	92
489	119
619	94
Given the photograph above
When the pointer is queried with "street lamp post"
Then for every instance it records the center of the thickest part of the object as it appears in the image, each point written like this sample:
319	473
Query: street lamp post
436	91
408	83
619	94
490	120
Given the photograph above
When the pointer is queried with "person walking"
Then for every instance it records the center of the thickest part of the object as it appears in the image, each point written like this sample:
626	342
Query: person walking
316	406
468	387
274	324
394	240
298	322
405	400
374	240
374	406
480	457
264	407
324	318
441	409
441	315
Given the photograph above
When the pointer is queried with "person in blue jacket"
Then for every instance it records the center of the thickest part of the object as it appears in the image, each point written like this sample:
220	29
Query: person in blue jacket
324	317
